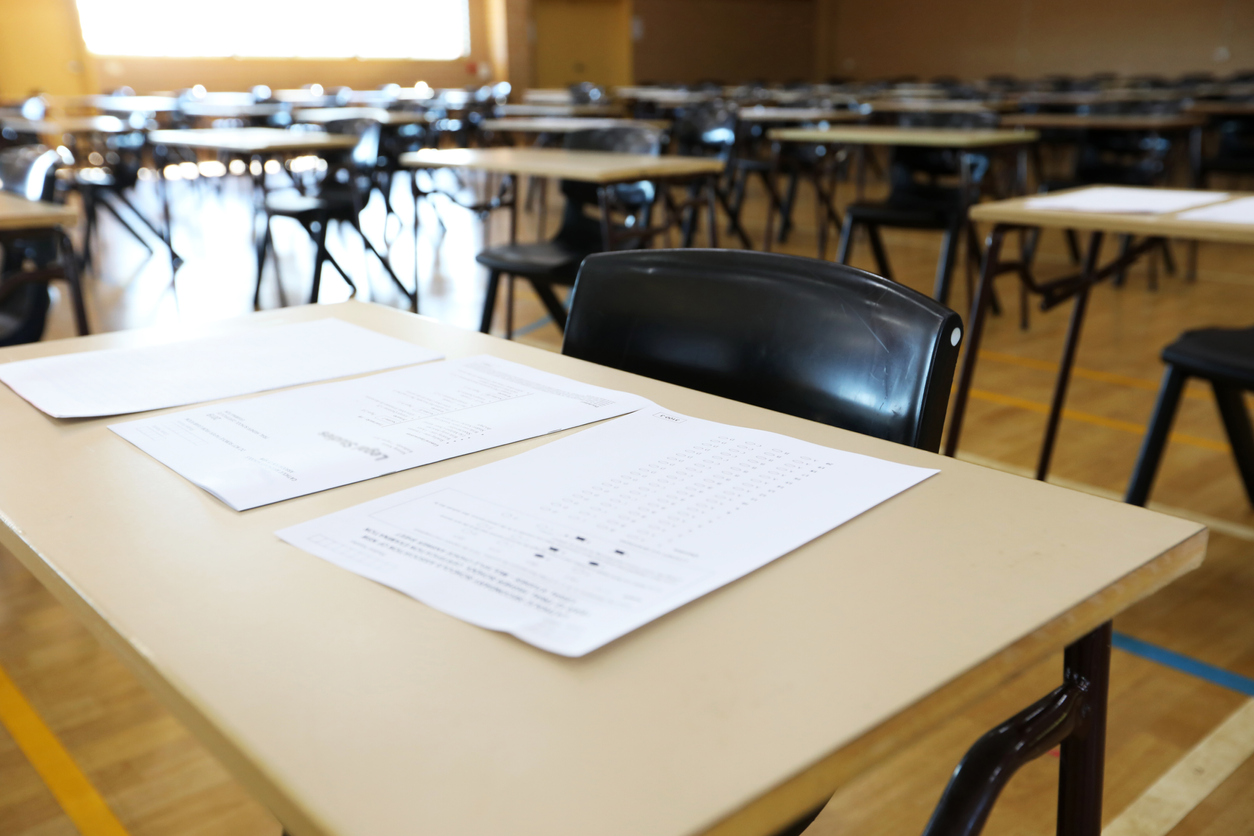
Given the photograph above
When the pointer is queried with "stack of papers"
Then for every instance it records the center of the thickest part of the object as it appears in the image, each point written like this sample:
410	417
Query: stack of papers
288	444
1239	211
1125	200
573	544
118	381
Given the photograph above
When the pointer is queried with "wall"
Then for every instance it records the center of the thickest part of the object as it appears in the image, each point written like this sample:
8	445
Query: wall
975	38
582	40
41	49
725	40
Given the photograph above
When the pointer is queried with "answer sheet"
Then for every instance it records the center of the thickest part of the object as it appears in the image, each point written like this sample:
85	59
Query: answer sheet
118	381
573	544
1239	211
288	444
1125	200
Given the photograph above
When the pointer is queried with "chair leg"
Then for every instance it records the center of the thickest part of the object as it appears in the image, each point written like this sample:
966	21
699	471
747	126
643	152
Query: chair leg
1237	422
1073	246
845	245
1156	437
881	255
320	238
112	210
489	302
785	210
551	303
263	249
70	268
412	297
1125	244
945	264
1169	258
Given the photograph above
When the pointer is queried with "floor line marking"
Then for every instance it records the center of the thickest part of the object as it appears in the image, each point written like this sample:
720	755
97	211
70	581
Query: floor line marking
534	326
1185	664
1096	420
80	800
1081	372
1191	780
1222	526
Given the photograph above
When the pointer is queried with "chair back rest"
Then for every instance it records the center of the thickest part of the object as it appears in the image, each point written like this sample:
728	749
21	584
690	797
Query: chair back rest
705	129
29	171
811	338
585	92
626	139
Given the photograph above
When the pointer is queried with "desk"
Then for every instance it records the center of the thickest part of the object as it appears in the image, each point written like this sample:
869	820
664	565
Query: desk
68	125
563	124
117	104
1008	215
935	106
325	115
959	139
778	115
18	215
602	110
230	110
350	710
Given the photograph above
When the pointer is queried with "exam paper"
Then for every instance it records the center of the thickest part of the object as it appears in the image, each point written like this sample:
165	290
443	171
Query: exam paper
288	444
1123	199
1239	211
573	544
117	381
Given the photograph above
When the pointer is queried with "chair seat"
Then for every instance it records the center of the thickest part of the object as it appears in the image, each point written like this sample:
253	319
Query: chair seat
900	215
1223	353
550	259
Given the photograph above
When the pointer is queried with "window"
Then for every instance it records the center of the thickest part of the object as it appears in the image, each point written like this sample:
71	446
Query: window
427	30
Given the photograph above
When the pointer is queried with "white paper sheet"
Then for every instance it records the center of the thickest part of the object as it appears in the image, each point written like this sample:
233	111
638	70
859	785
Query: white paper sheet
287	444
573	544
1125	200
1239	211
118	381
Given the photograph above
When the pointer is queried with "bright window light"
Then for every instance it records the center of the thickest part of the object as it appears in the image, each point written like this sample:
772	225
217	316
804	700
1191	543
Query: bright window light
424	30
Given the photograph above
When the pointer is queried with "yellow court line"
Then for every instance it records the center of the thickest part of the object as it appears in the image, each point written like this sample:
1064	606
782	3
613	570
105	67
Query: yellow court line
1096	420
76	795
1187	784
1085	374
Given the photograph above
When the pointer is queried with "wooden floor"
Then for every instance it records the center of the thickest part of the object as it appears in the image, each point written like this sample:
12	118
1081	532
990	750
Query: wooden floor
156	780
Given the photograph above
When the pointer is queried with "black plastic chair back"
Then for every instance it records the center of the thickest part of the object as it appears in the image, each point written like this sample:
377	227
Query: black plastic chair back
624	140
810	338
705	130
29	171
585	92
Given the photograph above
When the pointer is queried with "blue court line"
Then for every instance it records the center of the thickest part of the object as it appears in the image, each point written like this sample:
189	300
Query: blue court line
1184	664
527	329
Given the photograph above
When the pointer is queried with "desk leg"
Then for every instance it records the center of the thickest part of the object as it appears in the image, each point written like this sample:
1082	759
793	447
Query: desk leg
75	282
711	207
1068	355
1083	756
975	326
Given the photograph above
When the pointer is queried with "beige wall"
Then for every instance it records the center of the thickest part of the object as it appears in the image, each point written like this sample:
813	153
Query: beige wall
41	50
727	40
973	38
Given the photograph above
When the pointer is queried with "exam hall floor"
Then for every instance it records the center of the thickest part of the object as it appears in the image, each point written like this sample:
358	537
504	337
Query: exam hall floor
157	780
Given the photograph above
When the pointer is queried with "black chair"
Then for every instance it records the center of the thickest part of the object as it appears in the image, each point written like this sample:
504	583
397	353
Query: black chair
810	338
33	257
919	198
710	130
340	196
1235	152
556	262
1225	357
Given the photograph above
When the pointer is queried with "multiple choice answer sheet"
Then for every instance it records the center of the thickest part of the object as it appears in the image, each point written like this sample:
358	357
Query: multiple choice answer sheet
117	381
1125	200
288	444
1239	211
573	544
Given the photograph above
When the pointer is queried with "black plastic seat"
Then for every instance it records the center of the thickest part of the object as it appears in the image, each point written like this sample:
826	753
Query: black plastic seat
1225	357
556	262
33	257
919	199
811	338
340	196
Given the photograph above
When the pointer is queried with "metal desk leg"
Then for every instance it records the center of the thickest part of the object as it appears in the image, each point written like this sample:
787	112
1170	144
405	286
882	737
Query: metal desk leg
1083	756
1068	354
711	206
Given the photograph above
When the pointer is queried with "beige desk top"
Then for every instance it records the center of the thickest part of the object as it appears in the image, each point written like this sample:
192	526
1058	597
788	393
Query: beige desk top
19	213
664	95
323	115
563	124
1103	122
547	96
117	104
68	125
797	114
587	166
889	135
1016	211
601	110
935	106
349	709
253	140
228	110
1211	108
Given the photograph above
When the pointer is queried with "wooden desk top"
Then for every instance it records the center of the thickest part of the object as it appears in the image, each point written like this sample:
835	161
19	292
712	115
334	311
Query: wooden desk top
797	114
601	110
1103	122
323	115
19	213
1220	108
68	125
1016	211
548	96
890	135
586	166
229	110
117	104
664	95
935	106
348	709
564	124
253	140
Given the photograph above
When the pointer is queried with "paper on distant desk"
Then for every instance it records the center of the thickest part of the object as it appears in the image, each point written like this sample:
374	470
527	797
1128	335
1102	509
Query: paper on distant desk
1239	211
573	544
288	444
117	381
1125	200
